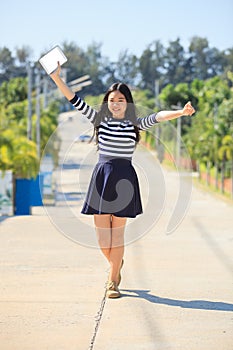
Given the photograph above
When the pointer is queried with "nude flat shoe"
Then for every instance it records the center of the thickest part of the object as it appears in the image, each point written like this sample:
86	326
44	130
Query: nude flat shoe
112	290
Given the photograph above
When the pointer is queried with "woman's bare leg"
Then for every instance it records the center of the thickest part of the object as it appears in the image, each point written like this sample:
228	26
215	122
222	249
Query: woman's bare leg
117	247
104	233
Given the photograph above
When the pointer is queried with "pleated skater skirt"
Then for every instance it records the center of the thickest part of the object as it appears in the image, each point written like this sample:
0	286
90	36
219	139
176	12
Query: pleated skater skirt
113	189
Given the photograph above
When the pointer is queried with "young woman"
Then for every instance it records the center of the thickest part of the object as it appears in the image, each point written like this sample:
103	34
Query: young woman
113	193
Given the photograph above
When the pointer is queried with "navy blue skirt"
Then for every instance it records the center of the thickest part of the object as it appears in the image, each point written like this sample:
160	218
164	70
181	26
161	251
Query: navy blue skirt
113	189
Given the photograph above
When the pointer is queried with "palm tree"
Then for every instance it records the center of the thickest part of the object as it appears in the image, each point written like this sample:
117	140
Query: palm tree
25	160
18	154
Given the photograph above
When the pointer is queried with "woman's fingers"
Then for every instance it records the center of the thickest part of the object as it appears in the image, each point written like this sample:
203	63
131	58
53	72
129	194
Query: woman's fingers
188	109
57	70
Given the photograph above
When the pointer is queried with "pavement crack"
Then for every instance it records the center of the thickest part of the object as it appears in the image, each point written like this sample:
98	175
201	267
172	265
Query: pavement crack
98	318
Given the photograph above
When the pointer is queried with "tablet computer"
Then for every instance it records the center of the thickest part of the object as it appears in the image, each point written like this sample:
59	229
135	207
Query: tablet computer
50	59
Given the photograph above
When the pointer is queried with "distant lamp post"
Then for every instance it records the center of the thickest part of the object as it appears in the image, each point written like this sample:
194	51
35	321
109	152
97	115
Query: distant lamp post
38	85
232	172
216	144
178	135
29	122
157	129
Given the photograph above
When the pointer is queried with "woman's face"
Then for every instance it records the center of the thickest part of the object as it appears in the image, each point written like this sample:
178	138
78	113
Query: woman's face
117	104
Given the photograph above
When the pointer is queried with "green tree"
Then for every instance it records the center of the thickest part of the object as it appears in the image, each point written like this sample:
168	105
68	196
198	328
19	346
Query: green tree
226	149
7	64
81	62
145	99
127	68
24	158
23	55
175	63
12	91
16	151
228	59
151	66
226	154
213	121
198	51
19	155
172	97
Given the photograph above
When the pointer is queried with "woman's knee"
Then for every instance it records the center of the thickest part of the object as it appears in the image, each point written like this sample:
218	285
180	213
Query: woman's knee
118	230
103	230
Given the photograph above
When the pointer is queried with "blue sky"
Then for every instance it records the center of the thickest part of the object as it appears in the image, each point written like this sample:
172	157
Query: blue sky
118	24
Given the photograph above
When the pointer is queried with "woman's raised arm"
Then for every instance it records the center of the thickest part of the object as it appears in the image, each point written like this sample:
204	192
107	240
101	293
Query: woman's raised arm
62	86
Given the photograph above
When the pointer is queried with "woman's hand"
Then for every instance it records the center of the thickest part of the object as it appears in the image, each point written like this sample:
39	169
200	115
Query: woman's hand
67	92
56	73
188	109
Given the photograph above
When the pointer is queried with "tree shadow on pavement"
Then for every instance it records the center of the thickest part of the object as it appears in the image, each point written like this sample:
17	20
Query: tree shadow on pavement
187	304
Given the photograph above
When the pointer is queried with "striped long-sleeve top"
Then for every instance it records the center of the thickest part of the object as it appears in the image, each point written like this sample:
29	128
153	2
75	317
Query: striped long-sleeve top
116	137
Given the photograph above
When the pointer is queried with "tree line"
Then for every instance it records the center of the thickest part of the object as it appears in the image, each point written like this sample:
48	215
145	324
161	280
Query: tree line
171	64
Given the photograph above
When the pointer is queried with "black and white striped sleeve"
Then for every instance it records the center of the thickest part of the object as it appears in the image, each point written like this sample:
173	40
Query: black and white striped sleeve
146	122
84	108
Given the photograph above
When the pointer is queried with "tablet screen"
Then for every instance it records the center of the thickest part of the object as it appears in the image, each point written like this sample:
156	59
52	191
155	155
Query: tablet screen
50	59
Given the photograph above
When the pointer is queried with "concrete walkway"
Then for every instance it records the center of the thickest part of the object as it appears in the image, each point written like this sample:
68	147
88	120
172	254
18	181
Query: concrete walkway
177	288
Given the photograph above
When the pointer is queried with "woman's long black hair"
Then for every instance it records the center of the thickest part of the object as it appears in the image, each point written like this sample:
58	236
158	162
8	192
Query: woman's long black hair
130	112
